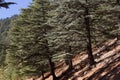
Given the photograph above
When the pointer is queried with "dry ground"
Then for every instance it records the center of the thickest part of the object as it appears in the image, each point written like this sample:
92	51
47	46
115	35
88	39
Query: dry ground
107	56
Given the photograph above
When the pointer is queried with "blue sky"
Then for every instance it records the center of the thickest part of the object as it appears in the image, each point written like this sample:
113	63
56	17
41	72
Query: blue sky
14	9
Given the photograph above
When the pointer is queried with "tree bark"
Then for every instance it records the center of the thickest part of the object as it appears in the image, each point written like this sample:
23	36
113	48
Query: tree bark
70	59
42	73
118	2
87	25
70	64
52	69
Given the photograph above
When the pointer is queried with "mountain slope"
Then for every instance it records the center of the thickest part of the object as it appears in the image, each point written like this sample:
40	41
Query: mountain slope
107	56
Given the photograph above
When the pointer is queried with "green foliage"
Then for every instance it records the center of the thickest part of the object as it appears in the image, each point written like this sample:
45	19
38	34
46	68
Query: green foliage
5	24
4	42
70	26
54	30
103	21
28	50
2	55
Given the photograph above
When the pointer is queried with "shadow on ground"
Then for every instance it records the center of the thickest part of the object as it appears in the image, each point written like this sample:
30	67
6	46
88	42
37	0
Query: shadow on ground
111	71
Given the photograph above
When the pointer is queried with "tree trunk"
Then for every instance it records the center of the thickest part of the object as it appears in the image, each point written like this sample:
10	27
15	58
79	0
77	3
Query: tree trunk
50	62
89	46
70	59
70	64
52	69
118	2
42	73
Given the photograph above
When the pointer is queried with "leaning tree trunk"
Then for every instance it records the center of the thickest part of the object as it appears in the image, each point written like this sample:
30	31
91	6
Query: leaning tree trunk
52	69
87	25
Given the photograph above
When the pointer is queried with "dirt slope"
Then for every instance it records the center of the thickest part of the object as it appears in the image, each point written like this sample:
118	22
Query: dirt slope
107	67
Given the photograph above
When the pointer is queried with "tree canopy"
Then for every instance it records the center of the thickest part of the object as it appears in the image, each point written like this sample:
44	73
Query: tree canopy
50	31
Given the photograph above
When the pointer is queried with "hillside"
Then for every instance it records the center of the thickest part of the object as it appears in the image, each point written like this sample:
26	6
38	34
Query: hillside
62	40
107	67
5	24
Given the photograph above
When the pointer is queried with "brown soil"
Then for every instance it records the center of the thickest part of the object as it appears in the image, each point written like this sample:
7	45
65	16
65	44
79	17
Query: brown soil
107	67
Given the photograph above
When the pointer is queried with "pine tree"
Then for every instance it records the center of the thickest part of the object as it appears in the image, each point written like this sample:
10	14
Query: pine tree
90	19
69	32
29	50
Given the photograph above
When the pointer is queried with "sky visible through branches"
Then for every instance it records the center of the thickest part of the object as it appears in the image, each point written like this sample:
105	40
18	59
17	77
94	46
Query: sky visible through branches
14	9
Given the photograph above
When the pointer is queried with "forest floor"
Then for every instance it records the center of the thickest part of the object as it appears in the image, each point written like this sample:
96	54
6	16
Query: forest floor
107	57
